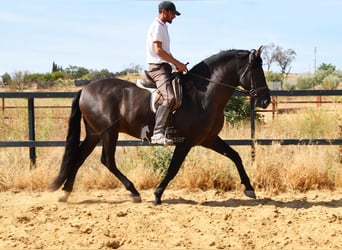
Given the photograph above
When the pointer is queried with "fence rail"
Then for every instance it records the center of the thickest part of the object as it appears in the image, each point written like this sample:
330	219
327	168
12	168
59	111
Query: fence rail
32	143
232	142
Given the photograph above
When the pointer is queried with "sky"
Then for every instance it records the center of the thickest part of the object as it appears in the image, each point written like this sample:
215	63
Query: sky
110	34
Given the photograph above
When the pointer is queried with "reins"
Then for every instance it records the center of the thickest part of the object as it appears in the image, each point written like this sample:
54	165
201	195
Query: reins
252	92
219	83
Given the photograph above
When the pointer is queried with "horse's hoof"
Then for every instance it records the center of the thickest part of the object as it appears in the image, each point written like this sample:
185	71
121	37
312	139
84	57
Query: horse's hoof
64	197
136	198
250	194
157	202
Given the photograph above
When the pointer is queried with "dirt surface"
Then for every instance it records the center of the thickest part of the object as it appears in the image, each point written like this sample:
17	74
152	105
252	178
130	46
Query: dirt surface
99	219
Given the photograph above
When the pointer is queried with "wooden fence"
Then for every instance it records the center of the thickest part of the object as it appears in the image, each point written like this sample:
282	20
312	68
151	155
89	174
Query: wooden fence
32	143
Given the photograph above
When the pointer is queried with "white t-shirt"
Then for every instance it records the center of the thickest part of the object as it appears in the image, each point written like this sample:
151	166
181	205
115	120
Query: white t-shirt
157	32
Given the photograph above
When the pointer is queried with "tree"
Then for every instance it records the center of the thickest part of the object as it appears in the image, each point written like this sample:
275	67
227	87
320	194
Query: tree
267	55
95	74
132	69
329	68
76	72
56	68
6	79
326	75
284	58
276	54
20	79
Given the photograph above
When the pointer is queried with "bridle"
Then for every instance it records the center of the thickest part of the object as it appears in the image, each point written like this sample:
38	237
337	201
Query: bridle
253	90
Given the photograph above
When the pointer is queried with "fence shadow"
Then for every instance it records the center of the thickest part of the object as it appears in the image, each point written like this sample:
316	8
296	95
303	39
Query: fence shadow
296	203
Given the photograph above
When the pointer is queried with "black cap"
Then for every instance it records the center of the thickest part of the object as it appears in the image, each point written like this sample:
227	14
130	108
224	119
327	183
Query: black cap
167	5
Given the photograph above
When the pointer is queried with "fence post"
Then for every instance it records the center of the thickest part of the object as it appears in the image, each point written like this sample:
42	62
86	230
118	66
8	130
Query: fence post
319	101
3	105
274	105
31	127
252	117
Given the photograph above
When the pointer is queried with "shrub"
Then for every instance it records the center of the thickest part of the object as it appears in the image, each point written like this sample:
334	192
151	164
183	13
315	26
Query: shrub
158	158
238	109
330	82
306	82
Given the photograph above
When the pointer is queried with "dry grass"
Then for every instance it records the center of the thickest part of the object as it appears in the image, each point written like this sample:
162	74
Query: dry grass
276	169
301	168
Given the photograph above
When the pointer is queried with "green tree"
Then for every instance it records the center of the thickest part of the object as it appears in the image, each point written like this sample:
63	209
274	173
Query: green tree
56	68
327	67
6	79
76	72
132	69
322	72
57	75
326	75
38	77
95	74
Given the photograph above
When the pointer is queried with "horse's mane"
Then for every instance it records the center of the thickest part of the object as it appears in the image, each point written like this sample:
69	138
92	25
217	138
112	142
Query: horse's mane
218	58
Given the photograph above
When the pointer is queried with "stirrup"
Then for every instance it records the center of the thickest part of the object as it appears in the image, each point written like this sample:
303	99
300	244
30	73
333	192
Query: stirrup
161	139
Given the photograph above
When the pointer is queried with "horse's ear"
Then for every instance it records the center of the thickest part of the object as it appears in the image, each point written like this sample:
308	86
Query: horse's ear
259	51
252	55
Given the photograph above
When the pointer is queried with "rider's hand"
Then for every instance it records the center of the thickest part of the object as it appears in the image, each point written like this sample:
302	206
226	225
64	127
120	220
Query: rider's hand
181	67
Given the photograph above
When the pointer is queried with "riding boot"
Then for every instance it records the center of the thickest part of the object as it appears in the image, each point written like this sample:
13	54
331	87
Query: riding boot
159	137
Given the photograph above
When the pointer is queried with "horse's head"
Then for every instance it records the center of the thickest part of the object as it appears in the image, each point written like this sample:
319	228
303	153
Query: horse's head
252	78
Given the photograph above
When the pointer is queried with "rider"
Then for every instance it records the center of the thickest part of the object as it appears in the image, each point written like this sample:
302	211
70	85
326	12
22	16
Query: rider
159	58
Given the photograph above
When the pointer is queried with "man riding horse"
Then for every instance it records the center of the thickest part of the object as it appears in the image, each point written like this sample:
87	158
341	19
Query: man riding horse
159	59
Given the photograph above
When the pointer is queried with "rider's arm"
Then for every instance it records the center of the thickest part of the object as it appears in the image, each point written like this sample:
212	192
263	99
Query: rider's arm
158	49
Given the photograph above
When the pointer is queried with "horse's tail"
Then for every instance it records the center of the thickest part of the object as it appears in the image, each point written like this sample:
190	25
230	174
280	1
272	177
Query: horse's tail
72	144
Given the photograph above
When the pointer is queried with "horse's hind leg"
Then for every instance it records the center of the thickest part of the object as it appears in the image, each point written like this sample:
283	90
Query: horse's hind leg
223	148
86	147
108	159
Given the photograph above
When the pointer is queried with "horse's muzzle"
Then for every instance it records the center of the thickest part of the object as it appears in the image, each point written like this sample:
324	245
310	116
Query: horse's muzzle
263	101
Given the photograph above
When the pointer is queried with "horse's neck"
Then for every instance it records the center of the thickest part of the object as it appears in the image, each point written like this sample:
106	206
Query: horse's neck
224	80
223	71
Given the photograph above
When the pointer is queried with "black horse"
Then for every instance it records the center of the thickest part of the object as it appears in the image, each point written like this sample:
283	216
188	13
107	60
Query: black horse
110	106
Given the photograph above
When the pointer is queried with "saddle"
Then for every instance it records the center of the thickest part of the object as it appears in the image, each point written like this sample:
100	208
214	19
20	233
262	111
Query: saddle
156	98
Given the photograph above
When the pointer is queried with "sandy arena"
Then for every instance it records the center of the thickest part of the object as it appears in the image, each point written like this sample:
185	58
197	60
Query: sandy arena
107	219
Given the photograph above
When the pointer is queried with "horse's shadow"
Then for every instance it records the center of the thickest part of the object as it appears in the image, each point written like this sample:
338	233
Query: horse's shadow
297	203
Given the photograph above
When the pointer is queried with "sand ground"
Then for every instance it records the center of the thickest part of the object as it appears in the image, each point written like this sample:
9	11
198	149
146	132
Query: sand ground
107	219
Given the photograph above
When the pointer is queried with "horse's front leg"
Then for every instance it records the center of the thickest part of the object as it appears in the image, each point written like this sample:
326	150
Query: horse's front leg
178	157
223	148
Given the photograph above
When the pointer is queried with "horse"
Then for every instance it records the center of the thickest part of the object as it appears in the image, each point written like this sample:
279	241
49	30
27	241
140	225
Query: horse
109	106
